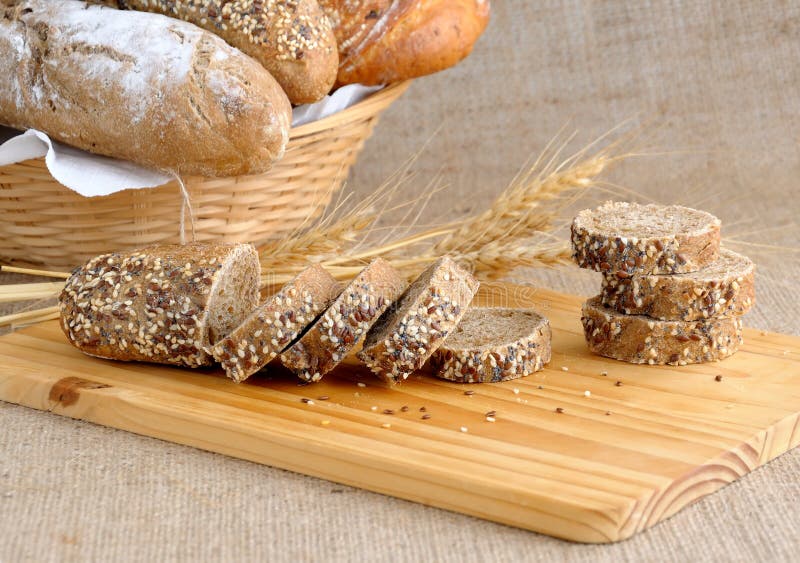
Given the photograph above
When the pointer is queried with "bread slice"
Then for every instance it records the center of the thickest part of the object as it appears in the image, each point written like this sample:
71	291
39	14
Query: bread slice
405	337
638	339
724	288
164	303
494	344
624	239
276	323
334	335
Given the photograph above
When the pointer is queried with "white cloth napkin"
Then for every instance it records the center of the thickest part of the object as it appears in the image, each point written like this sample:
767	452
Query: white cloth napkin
93	175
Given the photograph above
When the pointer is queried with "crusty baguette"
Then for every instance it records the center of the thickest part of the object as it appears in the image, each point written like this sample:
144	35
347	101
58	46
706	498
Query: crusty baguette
141	87
164	304
639	339
384	41
624	239
337	332
494	344
276	323
292	39
724	288
405	336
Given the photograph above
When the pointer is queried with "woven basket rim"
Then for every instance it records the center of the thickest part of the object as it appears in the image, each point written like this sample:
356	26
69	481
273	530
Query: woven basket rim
382	97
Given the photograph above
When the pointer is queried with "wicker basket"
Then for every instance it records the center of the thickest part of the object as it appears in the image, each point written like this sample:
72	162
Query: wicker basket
43	223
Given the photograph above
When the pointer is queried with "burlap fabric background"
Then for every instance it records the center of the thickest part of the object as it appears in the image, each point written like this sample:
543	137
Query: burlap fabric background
719	81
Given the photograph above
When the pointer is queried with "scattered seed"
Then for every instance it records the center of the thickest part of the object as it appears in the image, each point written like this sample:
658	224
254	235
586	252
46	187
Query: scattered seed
464	429
491	413
386	425
425	416
540	387
604	373
608	413
469	393
422	409
587	393
307	401
618	384
323	398
388	411
490	419
559	410
325	422
718	378
361	384
564	368
373	408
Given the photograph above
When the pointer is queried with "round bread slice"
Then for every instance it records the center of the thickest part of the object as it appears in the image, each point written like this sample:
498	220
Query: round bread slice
164	303
276	323
334	335
494	344
405	337
624	239
724	288
638	339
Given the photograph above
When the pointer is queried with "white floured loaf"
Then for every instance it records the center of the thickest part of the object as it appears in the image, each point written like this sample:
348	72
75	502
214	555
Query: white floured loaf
494	344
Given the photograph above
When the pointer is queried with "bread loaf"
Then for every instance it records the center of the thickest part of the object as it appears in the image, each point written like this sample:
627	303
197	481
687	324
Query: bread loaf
384	41
164	304
425	314
292	39
639	339
623	239
340	329
137	86
724	288
276	323
494	344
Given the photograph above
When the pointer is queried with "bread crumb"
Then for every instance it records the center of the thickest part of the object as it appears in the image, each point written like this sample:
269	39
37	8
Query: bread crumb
464	429
490	419
386	425
587	393
373	408
516	391
325	422
361	384
564	368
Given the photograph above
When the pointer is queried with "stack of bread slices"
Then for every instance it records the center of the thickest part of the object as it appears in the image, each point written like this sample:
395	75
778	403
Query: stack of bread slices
198	304
670	294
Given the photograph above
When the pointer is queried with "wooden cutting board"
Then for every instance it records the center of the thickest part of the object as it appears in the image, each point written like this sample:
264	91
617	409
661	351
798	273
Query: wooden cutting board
642	444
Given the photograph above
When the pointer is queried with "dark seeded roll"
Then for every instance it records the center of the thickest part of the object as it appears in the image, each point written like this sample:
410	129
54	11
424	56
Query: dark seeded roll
494	344
638	339
624	239
405	337
276	323
724	288
165	304
336	333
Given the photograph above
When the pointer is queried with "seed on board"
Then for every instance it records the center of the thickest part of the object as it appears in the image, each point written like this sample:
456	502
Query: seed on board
422	409
361	384
373	408
464	429
469	393
604	373
718	378
388	411
325	422
404	408
608	413
618	384
386	425
587	393
491	413
490	419
425	416
323	398
564	368
559	410
307	401
516	391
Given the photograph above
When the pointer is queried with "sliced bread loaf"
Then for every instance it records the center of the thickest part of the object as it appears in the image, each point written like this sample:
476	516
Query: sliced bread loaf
643	340
724	288
494	344
624	239
405	337
334	335
164	304
276	323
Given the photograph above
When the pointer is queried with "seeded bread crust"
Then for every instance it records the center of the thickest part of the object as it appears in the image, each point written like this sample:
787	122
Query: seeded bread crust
404	338
164	304
623	239
336	333
638	339
724	288
276	323
486	346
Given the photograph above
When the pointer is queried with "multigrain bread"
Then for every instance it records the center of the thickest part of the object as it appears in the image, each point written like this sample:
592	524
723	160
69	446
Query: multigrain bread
141	87
384	41
494	344
340	328
276	323
292	39
623	239
639	339
164	304
428	311
724	288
